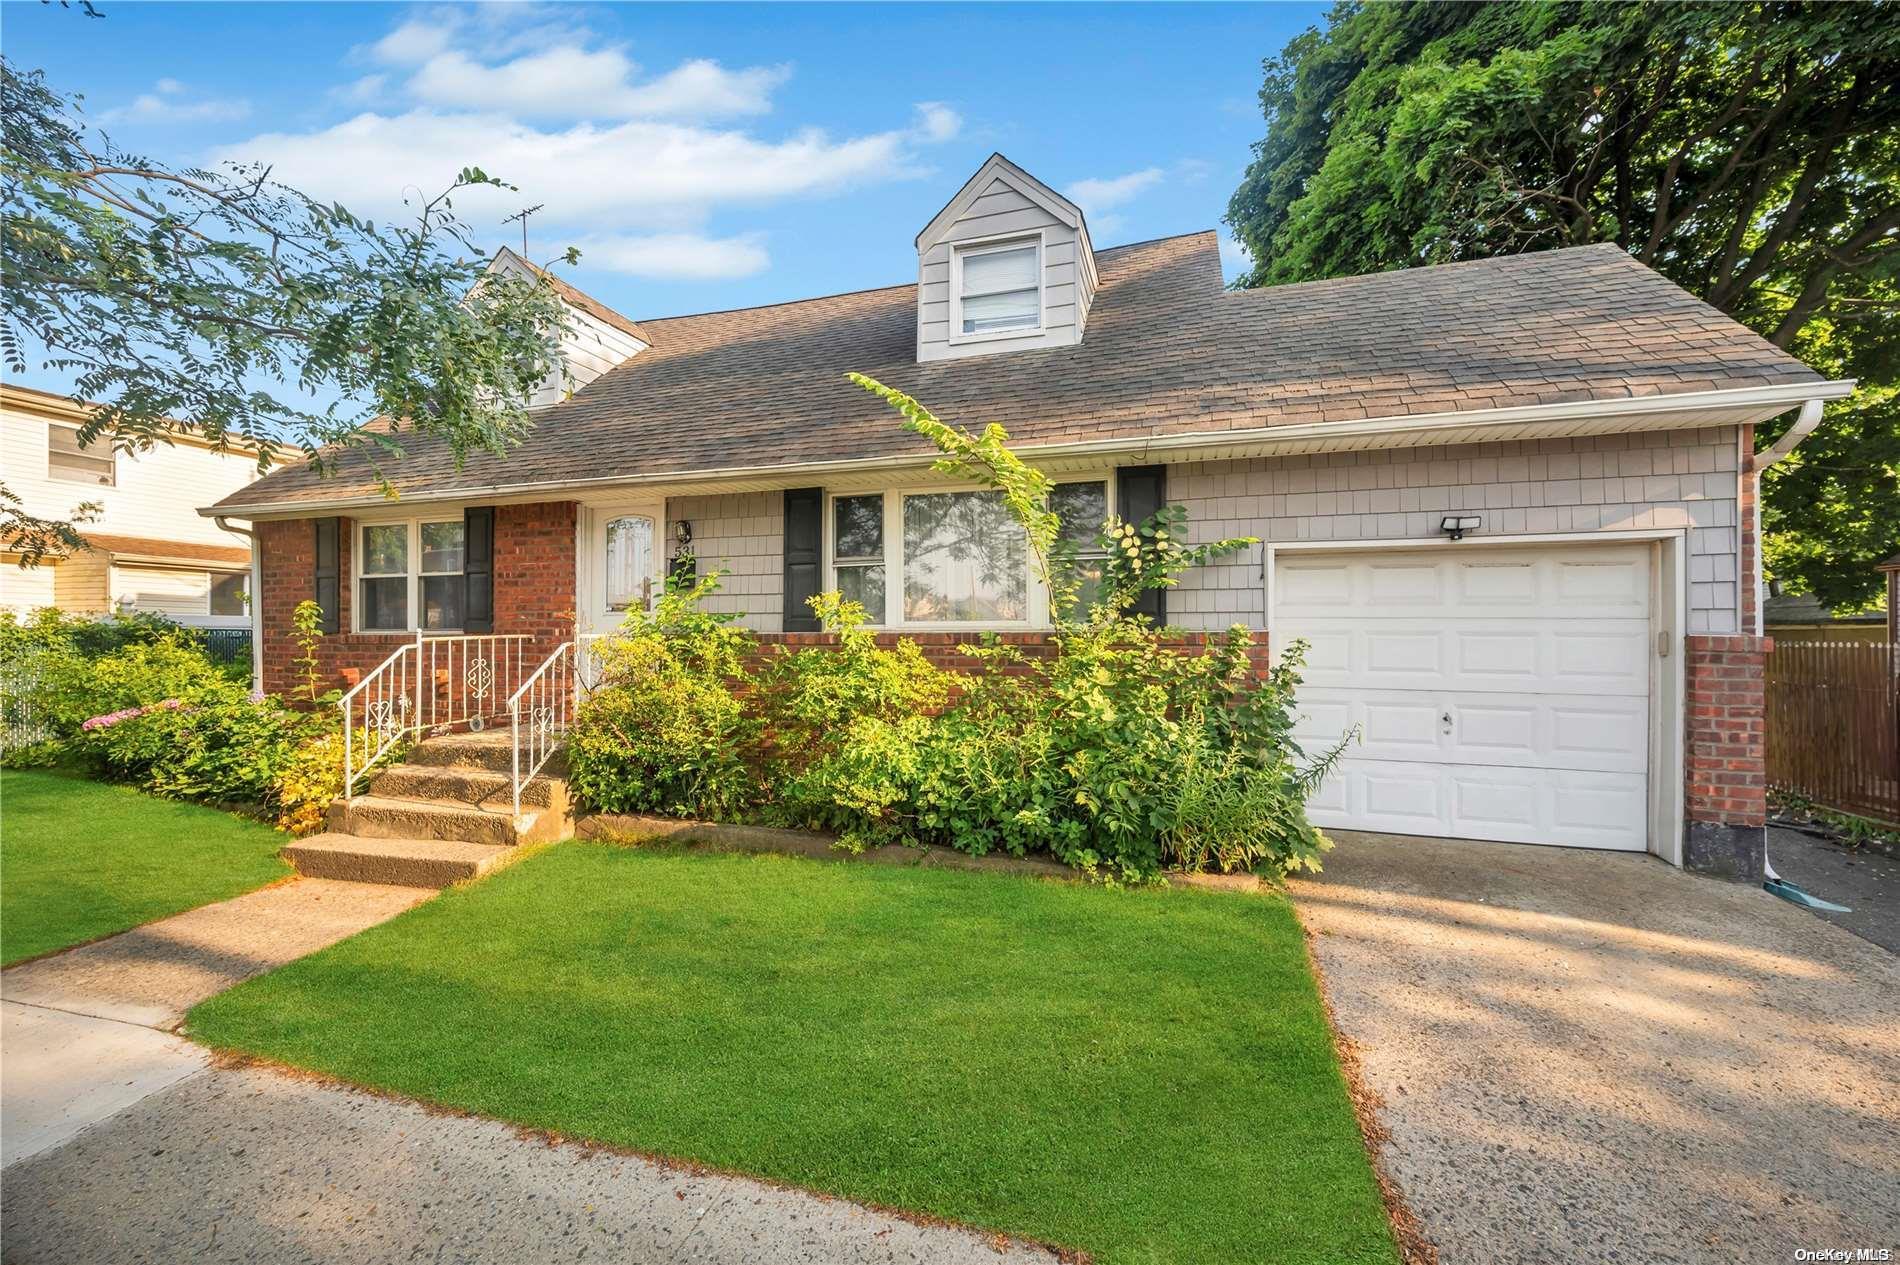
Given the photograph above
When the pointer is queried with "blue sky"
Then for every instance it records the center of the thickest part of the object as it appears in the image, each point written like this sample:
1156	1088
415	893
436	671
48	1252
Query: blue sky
702	157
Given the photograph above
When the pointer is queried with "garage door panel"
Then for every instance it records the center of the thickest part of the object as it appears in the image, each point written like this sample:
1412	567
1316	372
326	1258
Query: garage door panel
1479	583
1498	694
1577	810
1578	656
1521	730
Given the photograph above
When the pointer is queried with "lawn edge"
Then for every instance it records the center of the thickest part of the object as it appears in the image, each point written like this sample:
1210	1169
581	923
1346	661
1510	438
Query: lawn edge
41	956
1408	1232
228	1058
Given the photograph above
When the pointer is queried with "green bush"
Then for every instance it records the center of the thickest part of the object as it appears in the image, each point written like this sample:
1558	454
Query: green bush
843	725
665	731
136	699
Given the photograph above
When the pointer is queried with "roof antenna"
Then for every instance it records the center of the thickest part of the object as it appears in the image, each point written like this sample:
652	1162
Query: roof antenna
523	215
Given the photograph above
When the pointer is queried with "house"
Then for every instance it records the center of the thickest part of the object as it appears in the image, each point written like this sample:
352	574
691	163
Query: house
1804	617
1511	503
150	548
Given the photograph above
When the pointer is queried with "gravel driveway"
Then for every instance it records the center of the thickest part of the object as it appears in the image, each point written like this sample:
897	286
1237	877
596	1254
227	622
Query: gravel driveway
1594	1056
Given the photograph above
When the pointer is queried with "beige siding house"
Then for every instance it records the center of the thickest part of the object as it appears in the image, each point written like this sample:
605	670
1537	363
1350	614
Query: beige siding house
1509	505
150	548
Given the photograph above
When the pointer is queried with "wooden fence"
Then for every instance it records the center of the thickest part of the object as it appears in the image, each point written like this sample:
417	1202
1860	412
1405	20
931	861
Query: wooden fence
1833	727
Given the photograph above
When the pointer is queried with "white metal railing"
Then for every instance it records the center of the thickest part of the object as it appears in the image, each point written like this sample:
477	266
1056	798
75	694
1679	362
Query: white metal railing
431	683
542	710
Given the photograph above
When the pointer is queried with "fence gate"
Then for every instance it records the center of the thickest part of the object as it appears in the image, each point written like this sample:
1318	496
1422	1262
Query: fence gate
1833	727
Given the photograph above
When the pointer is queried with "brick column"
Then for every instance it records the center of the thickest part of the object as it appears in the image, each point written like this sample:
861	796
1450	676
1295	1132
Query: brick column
1726	779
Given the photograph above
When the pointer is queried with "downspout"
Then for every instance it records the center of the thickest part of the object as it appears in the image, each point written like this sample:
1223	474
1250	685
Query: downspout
1804	426
257	599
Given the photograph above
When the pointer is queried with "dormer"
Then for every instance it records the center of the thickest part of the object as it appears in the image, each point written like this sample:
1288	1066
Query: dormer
1006	266
597	339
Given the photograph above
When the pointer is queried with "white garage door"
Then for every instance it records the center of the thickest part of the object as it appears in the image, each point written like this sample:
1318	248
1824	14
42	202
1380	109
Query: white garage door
1500	693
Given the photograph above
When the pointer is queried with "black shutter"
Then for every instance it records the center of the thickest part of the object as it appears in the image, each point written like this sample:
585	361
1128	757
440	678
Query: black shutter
1139	492
804	556
478	569
327	530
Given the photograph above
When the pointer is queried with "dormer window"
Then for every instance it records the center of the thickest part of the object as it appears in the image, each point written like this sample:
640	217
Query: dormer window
998	288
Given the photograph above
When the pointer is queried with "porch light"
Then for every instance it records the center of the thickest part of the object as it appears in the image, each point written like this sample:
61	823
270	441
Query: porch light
683	533
1456	525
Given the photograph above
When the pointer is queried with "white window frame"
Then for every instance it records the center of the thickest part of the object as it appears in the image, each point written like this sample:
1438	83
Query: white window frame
109	457
989	246
413	609
891	618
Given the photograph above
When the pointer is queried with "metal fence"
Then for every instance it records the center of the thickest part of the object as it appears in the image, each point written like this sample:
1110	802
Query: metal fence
20	721
1833	725
227	645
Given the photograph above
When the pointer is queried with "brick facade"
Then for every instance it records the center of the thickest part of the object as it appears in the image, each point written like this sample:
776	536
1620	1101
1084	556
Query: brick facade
1724	737
534	591
941	648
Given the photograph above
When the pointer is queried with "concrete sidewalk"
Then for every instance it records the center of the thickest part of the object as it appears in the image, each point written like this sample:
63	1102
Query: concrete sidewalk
87	1032
241	1165
1594	1056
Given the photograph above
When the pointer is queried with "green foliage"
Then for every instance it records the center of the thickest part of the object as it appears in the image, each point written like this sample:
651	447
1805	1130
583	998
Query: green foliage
1749	152
224	747
136	699
180	298
844	723
665	731
306	623
310	776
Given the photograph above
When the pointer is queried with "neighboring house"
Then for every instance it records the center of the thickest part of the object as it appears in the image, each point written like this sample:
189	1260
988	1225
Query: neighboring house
1510	503
150	548
1803	617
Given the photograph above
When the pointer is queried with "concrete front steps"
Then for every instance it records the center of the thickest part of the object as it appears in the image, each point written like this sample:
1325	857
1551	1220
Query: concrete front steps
442	816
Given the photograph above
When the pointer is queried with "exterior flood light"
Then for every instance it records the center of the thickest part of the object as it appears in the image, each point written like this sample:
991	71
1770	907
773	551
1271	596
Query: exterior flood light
1456	525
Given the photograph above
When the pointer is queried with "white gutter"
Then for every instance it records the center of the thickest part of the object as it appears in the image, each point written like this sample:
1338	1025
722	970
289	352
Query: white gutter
1804	425
1785	397
257	601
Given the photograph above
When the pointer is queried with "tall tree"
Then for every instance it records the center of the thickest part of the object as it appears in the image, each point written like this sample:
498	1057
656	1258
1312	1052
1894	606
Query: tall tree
1749	152
229	306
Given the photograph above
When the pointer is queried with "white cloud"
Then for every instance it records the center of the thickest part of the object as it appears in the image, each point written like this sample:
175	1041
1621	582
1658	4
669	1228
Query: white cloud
571	82
642	174
1100	194
536	62
677	256
364	91
937	122
416	40
169	104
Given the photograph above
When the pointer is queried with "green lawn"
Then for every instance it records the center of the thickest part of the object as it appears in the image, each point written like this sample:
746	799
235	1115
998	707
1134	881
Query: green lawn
1145	1075
80	860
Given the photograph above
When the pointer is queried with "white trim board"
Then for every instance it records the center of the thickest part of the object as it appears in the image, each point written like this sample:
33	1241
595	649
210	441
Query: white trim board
1669	616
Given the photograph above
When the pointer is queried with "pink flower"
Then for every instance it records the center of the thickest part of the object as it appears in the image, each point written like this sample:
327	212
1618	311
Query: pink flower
112	718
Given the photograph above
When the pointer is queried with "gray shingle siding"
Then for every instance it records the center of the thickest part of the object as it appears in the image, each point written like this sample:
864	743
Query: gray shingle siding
742	533
1685	478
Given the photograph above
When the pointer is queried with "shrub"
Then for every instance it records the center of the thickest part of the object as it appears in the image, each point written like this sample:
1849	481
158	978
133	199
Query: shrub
220	745
844	724
666	731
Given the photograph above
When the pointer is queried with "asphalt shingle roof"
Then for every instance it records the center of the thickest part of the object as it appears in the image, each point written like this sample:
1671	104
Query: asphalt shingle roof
1167	351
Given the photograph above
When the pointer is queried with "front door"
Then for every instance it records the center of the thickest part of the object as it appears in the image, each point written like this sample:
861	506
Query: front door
620	562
